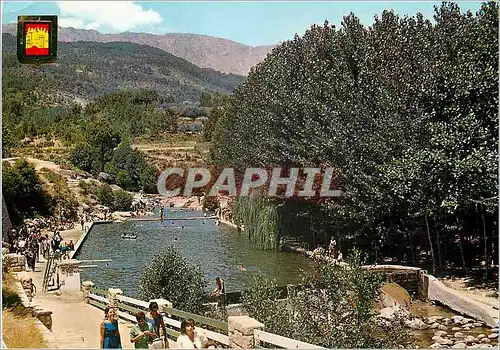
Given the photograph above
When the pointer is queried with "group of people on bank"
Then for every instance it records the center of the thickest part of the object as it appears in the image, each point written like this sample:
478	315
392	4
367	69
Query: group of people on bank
30	242
149	332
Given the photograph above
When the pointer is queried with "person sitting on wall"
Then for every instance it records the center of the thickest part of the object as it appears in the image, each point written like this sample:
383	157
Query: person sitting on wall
155	319
142	334
219	291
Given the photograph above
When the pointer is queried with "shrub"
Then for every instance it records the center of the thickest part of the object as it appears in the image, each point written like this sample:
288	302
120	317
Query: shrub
171	277
334	309
123	200
10	298
106	196
23	191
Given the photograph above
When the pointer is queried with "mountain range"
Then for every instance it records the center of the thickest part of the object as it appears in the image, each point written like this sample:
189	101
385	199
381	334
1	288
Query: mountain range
204	51
86	70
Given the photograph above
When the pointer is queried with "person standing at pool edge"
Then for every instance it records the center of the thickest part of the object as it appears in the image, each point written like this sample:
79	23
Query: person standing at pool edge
156	321
110	333
141	335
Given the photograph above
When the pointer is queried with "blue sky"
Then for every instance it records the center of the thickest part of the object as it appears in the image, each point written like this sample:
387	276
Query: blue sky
250	23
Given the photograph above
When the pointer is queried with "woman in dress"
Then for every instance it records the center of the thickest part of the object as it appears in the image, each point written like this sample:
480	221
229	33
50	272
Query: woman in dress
110	334
188	339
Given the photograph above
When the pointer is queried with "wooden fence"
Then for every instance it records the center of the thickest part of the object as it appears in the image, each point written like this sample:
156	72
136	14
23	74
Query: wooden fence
127	308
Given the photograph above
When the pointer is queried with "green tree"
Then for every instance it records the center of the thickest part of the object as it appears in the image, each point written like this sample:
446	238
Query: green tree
333	309
171	277
106	196
23	191
122	201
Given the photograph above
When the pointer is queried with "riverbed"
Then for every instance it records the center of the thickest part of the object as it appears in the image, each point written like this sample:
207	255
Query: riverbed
220	251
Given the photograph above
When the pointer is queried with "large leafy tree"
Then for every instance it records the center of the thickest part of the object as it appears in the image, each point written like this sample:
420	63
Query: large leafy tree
404	110
172	277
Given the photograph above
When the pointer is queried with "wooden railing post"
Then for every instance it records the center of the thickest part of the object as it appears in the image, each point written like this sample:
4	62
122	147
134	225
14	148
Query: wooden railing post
86	287
113	297
241	329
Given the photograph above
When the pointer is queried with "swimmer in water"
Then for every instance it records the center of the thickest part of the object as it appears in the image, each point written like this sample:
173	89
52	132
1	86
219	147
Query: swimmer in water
242	268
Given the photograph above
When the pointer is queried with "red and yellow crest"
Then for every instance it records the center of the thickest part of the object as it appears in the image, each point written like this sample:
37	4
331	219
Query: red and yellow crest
37	39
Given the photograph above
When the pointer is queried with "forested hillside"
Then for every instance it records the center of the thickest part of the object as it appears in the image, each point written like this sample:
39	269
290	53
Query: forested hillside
86	70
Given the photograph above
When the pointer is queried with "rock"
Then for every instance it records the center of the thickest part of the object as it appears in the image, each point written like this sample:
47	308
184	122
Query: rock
447	321
485	341
479	346
105	177
416	323
459	346
442	327
467	320
494	330
477	324
435	346
441	333
481	336
459	335
457	318
493	336
436	337
466	328
445	341
456	329
435	325
434	319
388	313
470	339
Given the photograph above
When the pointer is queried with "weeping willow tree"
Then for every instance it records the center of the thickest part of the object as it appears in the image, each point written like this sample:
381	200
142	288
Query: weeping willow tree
261	220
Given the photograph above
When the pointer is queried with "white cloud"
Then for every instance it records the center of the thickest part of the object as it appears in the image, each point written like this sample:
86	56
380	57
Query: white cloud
106	16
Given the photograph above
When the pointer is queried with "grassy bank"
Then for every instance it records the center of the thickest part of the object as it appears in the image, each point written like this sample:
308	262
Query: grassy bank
18	326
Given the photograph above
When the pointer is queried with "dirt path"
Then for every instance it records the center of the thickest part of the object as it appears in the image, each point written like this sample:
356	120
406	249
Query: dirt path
74	323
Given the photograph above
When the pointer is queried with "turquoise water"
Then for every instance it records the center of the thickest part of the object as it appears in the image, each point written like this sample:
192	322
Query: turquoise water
218	250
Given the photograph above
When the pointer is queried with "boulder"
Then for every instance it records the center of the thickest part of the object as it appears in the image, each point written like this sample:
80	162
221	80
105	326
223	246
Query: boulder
435	346
481	336
434	325
470	339
442	327
441	333
456	329
485	340
434	319
445	341
459	335
457	319
105	177
494	330
459	346
416	323
493	336
388	313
